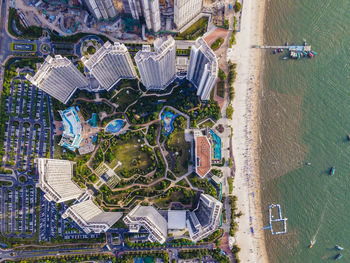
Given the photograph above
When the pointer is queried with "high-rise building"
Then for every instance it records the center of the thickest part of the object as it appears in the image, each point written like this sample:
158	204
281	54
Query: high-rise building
151	14
203	68
150	219
110	64
185	11
205	219
59	78
157	68
149	9
102	9
55	180
90	217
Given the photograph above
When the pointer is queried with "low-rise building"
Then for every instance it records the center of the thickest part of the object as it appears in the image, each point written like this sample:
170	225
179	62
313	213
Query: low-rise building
55	180
90	217
150	219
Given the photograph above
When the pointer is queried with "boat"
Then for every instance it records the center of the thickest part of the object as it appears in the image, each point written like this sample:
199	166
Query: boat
339	247
284	58
281	49
286	44
304	53
310	246
274	52
339	256
313	53
348	137
332	171
308	164
298	54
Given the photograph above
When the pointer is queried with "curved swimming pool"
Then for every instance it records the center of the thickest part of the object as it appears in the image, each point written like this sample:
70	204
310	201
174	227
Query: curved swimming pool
115	126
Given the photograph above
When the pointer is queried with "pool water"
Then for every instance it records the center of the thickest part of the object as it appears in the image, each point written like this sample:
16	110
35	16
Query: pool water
217	145
115	126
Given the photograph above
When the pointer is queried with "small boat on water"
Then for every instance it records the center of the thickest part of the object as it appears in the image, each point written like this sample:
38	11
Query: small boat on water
339	256
313	53
304	53
284	58
339	247
308	164
348	137
332	171
310	246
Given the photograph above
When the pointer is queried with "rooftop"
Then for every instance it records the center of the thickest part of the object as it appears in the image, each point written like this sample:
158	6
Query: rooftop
203	155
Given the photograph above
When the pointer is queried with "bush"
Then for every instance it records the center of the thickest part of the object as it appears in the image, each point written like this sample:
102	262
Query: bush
238	7
217	43
229	111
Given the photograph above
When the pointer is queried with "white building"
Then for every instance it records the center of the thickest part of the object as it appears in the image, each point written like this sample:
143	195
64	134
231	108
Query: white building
157	68
185	11
205	219
55	180
102	9
59	78
149	9
90	217
203	68
110	64
150	219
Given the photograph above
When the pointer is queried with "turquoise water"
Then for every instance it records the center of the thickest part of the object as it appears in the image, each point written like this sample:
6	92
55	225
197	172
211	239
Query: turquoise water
305	117
217	145
115	126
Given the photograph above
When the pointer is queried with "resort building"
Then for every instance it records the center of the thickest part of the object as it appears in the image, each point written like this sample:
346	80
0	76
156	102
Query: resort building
59	78
205	219
207	150
150	219
203	68
185	11
110	64
157	68
55	180
78	133
90	217
101	9
202	153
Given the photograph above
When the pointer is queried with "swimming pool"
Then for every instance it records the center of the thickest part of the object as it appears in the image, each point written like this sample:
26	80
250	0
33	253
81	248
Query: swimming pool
217	145
115	126
168	118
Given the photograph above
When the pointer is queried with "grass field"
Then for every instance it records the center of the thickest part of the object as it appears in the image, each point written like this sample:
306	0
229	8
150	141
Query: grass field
195	30
178	144
125	98
131	156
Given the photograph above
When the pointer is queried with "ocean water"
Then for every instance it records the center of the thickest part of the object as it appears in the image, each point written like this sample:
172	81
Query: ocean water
305	117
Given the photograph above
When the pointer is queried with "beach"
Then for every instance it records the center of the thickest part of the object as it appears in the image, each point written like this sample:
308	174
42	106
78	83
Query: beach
250	236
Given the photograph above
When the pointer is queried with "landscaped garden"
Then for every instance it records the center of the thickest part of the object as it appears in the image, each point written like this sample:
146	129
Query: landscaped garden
146	169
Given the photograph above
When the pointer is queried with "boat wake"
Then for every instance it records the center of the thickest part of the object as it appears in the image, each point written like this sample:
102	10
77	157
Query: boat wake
313	239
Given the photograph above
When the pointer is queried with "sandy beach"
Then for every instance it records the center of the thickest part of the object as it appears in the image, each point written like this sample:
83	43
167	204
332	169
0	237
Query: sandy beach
245	127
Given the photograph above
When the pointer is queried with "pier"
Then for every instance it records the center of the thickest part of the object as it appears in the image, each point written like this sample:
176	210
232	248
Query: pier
290	48
279	219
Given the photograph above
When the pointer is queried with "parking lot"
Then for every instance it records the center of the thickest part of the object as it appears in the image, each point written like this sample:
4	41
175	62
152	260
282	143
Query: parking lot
17	210
28	132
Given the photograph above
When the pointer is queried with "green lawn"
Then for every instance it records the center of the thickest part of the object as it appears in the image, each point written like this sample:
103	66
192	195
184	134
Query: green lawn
177	144
131	156
196	30
125	98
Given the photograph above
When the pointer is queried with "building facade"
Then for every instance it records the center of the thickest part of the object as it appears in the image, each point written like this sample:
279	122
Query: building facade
148	9
59	78
205	219
157	68
55	180
203	68
150	219
90	217
110	64
101	9
185	11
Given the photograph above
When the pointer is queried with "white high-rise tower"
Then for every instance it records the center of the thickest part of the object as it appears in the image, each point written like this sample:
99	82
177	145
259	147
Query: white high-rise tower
203	68
157	68
110	64
59	78
185	11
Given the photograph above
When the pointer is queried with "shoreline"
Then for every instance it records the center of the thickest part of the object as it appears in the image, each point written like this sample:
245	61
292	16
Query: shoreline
245	132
